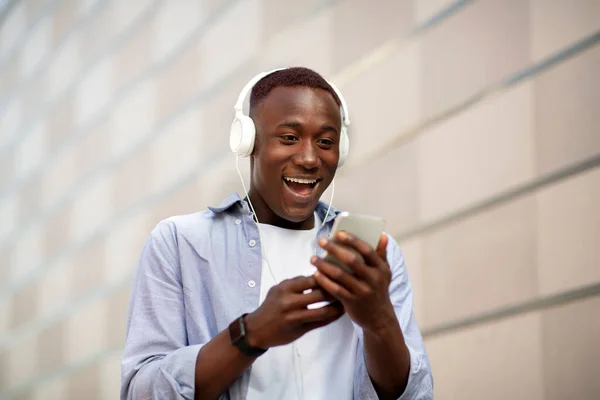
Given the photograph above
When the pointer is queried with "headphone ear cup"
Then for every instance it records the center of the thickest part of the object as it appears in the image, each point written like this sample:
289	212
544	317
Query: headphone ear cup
344	147
241	136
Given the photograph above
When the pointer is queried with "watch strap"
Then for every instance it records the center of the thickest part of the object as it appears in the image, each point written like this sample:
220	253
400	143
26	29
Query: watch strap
238	336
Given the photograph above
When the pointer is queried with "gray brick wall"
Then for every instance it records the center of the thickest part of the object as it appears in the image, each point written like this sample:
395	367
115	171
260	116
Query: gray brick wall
475	134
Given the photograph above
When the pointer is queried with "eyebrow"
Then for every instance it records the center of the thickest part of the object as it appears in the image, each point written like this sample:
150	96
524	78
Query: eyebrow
326	127
295	124
289	124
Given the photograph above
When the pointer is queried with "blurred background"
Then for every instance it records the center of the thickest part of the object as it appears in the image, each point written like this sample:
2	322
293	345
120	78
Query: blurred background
475	133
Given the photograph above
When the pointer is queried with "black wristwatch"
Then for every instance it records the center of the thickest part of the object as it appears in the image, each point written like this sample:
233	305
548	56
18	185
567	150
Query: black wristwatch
237	334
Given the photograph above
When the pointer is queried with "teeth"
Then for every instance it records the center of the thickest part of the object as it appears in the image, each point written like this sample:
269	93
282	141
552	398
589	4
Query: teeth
298	180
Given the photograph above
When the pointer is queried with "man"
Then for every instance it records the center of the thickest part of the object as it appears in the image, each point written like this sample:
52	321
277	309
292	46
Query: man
226	304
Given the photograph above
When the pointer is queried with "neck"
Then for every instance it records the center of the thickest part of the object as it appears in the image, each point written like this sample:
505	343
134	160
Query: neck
265	215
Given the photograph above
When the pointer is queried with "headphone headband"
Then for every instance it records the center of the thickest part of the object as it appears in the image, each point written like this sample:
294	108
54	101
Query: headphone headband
345	116
240	101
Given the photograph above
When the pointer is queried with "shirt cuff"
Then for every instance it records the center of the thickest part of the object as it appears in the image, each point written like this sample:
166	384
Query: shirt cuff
363	386
177	374
412	386
419	386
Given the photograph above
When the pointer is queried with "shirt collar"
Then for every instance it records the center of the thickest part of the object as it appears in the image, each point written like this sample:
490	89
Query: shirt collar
235	198
227	203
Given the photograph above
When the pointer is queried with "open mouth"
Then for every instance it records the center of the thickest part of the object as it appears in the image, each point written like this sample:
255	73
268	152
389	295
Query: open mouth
301	186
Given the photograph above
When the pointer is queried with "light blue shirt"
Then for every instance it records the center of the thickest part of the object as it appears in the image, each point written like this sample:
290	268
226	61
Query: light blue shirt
199	272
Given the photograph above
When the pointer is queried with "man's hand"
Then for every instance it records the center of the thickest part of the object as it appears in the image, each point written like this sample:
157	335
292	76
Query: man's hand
366	299
284	317
364	294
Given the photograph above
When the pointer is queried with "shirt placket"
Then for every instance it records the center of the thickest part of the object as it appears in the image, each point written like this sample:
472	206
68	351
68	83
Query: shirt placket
251	246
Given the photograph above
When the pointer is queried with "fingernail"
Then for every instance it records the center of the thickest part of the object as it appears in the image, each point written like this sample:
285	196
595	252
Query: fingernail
313	259
323	241
342	235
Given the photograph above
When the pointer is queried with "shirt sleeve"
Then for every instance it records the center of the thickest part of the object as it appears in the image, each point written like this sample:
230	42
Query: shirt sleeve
158	362
420	379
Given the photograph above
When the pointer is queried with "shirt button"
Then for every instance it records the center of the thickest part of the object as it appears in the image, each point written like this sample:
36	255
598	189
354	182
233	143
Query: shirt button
252	243
251	283
238	221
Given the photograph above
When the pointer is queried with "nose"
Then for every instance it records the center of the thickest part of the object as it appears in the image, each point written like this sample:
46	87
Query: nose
307	155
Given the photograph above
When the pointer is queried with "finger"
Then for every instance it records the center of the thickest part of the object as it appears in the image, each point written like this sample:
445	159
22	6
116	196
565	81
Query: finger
346	255
382	246
315	296
299	284
319	324
370	255
324	313
352	284
336	290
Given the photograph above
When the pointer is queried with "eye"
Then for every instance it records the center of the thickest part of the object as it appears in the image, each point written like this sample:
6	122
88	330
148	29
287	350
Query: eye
326	142
288	138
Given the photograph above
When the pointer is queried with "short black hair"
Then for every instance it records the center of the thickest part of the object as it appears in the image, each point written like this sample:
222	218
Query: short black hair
294	76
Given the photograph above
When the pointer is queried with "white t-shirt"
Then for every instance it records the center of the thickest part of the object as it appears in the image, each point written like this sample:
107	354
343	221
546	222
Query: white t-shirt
320	364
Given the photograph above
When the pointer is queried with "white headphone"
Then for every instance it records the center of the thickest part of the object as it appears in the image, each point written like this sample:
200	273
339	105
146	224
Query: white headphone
243	131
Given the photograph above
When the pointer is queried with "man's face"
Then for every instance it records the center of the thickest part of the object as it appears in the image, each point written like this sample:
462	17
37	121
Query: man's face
296	150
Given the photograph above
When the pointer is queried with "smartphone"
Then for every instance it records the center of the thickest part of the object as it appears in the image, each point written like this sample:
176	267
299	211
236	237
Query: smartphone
366	227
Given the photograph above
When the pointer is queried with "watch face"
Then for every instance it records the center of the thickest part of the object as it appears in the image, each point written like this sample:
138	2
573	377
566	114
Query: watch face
236	330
